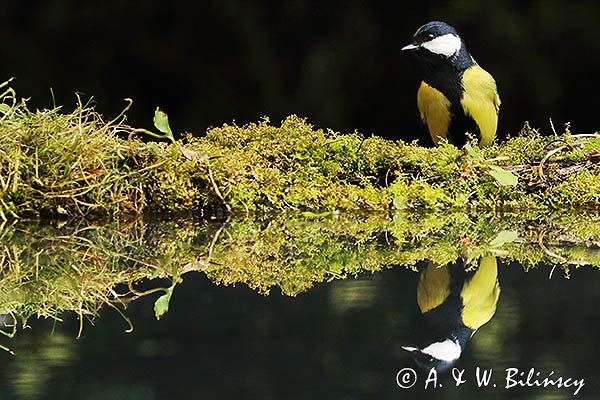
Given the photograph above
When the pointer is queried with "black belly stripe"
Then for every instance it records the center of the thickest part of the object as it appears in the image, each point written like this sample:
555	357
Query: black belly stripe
460	124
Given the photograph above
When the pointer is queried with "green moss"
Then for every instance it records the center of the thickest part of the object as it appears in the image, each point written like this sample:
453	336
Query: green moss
56	163
297	166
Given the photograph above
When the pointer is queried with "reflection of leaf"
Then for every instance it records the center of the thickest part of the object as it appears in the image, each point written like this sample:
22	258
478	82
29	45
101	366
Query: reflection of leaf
475	255
502	176
504	237
310	214
161	122
161	306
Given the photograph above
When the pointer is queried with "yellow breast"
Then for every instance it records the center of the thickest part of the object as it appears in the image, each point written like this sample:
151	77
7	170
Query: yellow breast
481	102
434	108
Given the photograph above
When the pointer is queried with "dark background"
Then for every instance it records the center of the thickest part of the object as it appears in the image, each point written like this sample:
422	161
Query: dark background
339	340
336	62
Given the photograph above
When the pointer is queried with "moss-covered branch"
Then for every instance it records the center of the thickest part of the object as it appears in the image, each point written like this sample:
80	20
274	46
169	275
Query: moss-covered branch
77	163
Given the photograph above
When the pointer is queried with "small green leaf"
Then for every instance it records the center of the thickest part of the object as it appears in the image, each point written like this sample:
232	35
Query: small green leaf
310	214
504	237
4	108
470	150
161	306
502	176
155	149
161	122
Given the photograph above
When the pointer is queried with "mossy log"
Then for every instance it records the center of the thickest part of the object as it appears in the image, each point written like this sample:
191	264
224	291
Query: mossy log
56	163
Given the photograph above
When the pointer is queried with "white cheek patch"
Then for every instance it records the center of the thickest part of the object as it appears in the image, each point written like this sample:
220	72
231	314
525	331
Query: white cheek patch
446	45
447	350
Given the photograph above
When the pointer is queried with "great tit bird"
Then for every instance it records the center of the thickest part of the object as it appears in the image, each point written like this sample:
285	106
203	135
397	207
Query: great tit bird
453	305
456	95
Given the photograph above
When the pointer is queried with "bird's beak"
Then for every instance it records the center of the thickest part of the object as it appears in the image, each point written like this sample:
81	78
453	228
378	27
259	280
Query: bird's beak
409	349
409	47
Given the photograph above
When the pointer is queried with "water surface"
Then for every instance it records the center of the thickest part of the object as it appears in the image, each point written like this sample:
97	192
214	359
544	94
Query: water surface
332	338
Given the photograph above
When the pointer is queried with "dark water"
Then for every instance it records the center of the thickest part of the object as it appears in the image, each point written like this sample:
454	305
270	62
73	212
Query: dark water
340	340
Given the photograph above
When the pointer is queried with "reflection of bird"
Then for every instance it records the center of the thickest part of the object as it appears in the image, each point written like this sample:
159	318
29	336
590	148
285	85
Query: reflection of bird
456	95
453	305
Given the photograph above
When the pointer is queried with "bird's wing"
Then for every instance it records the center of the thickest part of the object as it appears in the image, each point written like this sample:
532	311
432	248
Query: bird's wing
480	294
480	101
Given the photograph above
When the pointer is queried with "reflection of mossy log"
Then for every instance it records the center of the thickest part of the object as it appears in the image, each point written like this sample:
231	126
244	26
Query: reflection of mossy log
46	270
60	163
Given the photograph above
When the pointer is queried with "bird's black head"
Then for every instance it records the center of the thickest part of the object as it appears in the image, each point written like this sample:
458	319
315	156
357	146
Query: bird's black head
437	43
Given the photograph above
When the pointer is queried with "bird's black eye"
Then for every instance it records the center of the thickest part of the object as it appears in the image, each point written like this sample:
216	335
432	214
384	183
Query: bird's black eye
430	36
